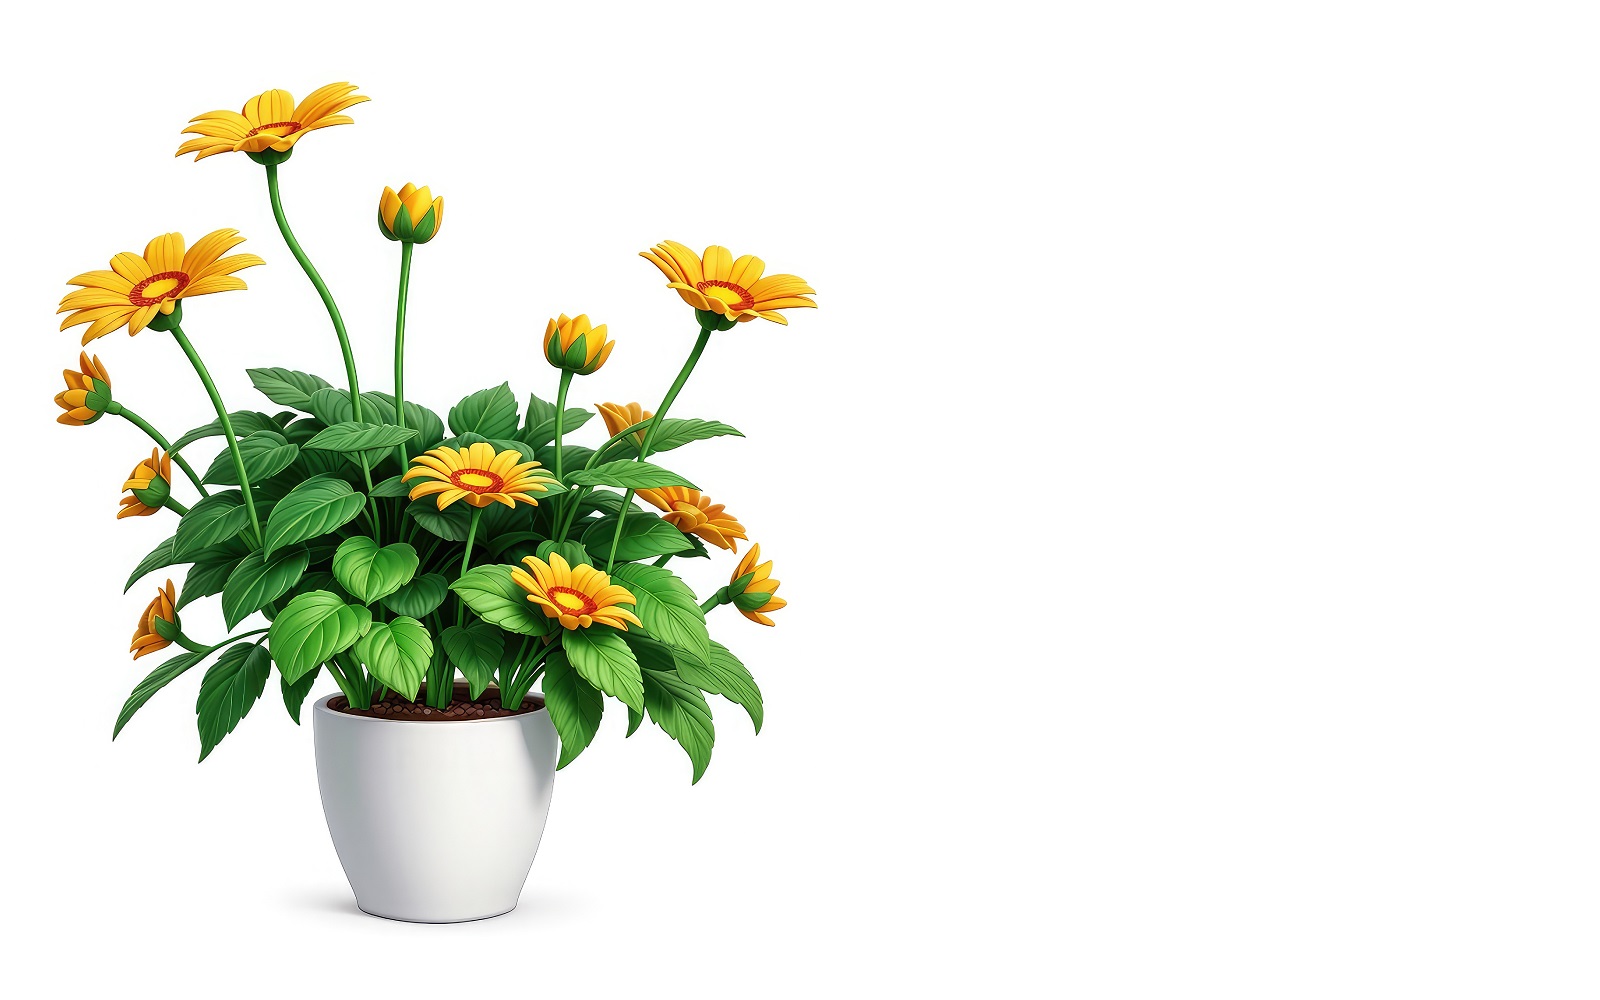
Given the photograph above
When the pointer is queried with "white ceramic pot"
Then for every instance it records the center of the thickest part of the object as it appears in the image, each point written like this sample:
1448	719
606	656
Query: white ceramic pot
435	821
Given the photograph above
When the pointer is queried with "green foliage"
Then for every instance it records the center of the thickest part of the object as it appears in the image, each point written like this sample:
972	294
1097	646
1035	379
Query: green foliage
600	656
285	387
260	578
294	695
451	524
158	678
724	675
573	552
315	507
419	598
644	536
574	704
214	519
265	454
397	653
667	607
391	487
206	577
232	685
160	557
476	651
244	422
313	627
369	572
491	593
351	436
680	709
628	474
490	412
427	424
539	429
675	432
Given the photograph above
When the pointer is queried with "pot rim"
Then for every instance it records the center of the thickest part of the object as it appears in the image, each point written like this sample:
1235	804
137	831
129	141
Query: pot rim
322	706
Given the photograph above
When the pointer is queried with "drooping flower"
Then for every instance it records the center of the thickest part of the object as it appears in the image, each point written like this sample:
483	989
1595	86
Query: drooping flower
88	392
620	416
413	215
753	587
693	513
270	121
147	637
733	290
137	288
479	475
576	596
148	486
574	345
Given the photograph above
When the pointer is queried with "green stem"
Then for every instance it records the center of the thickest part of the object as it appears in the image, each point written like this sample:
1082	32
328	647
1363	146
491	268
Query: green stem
155	435
663	560
720	597
172	504
466	557
561	412
195	647
650	433
630	429
400	348
227	426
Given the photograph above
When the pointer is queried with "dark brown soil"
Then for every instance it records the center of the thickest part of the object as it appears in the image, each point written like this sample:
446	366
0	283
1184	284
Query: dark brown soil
461	707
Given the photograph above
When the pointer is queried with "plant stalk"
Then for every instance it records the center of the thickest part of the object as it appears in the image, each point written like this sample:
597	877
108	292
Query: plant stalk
227	426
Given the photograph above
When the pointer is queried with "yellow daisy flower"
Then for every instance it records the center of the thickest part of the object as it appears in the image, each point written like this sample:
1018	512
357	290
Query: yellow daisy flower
731	288
751	582
145	638
577	596
574	345
620	416
87	394
477	474
137	288
693	513
148	486
270	121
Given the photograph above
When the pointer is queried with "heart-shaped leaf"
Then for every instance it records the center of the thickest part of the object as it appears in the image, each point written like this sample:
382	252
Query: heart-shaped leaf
419	598
370	573
398	654
496	598
311	629
474	650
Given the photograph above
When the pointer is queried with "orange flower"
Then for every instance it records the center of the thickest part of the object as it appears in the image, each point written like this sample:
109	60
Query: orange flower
619	417
87	394
145	638
693	513
270	121
753	588
576	596
148	486
732	289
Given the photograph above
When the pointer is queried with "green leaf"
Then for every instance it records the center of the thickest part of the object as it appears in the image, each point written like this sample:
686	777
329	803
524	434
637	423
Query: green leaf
490	412
315	507
574	553
634	719
644	536
627	474
574	704
604	660
451	524
605	503
391	487
265	454
726	676
260	578
313	627
205	578
680	709
213	519
160	557
427	424
475	651
294	695
285	387
573	457
675	432
398	654
350	436
419	598
369	572
158	678
667	607
539	429
491	593
244	422
231	687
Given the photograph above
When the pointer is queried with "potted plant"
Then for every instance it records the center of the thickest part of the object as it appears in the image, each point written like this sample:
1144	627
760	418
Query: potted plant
477	585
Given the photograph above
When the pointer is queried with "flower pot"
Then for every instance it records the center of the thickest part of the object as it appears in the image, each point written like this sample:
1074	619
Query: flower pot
435	821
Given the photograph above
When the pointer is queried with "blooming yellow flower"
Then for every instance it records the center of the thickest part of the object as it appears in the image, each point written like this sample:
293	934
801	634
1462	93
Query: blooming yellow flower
148	486
577	596
270	121
730	288
620	416
477	474
412	216
137	288
753	588
145	637
693	513
87	394
574	345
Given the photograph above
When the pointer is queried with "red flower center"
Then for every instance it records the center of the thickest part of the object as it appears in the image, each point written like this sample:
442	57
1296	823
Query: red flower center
137	295
736	296
479	481
293	127
574	602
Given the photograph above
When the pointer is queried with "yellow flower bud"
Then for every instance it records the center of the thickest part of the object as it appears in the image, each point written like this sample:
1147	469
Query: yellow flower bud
413	215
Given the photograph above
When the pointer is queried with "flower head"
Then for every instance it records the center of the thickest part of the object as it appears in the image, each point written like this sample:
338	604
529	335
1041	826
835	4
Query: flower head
148	636
693	513
574	345
479	475
725	291
137	289
753	588
620	416
412	216
270	123
148	486
577	596
88	392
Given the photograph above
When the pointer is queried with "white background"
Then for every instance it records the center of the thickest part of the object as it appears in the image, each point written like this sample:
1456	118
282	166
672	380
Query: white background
1185	491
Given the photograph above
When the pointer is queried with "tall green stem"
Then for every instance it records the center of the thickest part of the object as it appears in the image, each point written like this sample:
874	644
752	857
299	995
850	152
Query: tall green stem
466	557
561	413
650	433
155	435
400	348
227	426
